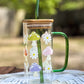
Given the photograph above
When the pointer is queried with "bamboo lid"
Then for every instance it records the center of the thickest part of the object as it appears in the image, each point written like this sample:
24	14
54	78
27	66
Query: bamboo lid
38	21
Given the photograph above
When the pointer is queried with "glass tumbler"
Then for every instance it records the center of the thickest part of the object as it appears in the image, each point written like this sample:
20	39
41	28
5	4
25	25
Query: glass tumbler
38	50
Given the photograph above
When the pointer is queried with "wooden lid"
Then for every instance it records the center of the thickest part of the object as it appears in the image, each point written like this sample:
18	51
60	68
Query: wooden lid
38	21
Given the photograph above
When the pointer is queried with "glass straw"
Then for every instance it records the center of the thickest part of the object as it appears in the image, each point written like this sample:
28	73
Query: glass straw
39	43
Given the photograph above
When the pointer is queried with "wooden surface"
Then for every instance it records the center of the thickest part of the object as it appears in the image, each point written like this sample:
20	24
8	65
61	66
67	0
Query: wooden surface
9	69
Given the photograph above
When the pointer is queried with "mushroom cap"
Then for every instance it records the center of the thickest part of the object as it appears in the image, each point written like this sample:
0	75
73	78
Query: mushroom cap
47	51
35	67
33	36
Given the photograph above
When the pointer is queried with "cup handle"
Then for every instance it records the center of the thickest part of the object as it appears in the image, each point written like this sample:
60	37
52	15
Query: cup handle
67	50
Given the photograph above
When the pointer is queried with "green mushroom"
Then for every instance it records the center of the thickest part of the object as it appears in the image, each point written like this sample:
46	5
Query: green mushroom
33	37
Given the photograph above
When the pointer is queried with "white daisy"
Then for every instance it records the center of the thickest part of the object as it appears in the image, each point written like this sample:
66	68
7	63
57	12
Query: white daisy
25	39
46	37
34	53
48	68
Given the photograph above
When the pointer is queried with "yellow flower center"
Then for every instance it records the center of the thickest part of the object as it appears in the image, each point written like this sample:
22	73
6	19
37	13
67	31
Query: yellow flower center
47	37
48	68
34	54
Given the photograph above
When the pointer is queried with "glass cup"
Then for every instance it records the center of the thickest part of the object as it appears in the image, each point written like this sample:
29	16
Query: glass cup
38	50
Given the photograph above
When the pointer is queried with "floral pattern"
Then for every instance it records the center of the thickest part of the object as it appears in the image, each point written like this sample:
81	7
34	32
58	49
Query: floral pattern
48	68
46	37
48	51
33	52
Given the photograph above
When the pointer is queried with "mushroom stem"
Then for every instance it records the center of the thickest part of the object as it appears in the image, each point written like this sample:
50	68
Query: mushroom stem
35	74
49	58
34	43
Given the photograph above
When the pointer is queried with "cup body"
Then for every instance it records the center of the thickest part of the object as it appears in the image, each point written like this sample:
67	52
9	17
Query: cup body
38	50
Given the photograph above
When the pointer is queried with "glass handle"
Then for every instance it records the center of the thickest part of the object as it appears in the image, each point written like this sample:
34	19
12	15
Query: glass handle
67	50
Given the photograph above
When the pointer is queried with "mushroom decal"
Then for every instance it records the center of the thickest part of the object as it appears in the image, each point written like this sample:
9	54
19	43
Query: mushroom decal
47	51
35	68
33	37
34	50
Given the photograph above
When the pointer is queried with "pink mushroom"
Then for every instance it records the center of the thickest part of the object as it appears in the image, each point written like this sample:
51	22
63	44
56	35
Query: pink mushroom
47	51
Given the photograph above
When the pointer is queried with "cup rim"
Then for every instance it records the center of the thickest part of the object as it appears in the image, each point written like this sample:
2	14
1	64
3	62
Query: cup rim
38	20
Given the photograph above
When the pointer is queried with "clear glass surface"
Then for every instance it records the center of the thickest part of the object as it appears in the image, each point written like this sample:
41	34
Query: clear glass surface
37	52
